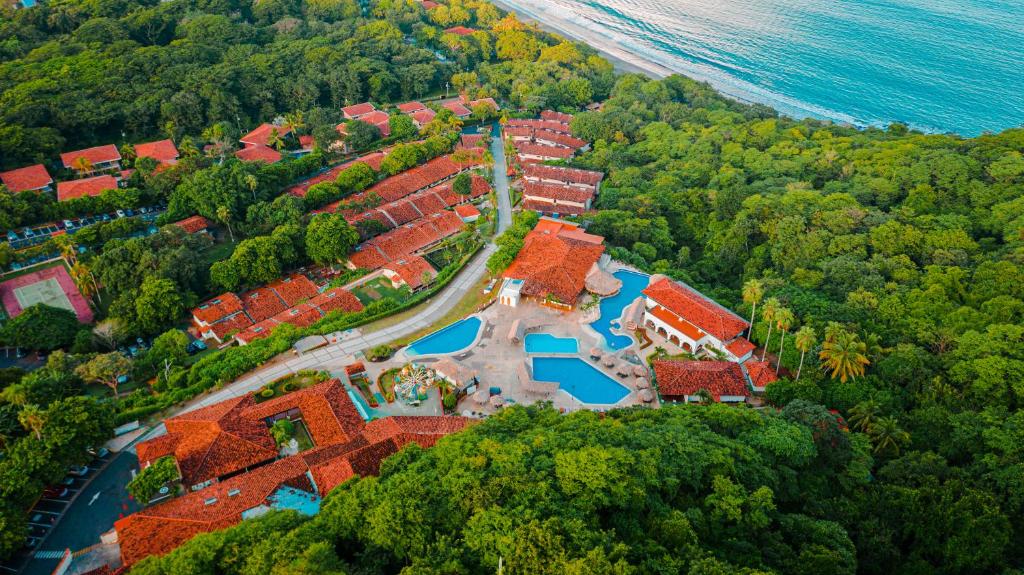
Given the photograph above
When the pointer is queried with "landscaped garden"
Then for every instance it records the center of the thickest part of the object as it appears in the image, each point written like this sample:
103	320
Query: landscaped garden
379	288
299	380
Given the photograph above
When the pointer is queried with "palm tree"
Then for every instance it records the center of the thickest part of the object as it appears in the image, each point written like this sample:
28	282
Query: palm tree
864	414
82	165
753	292
224	215
32	419
274	139
805	340
253	183
294	121
127	153
844	355
85	281
783	320
888	436
768	315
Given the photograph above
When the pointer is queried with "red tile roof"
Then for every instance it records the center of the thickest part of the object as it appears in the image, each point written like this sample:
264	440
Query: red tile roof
327	412
294	289
562	174
257	331
410	107
162	151
679	379
193	224
258	154
539	125
489	101
460	31
85	187
429	4
561	193
411	270
467	211
28	178
761	373
423	117
337	299
544	152
96	155
262	303
696	309
556	116
458	108
218	308
306	142
261	135
739	347
471	140
558	139
357	110
224	329
555	260
550	208
684	327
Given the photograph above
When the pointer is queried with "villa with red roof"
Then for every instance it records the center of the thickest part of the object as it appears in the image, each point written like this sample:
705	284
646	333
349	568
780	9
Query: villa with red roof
357	111
556	199
226	453
561	175
693	322
99	159
263	135
459	31
485	101
410	107
163	151
468	212
552	266
683	381
28	179
532	152
458	108
194	224
760	374
93	186
413	271
422	117
264	154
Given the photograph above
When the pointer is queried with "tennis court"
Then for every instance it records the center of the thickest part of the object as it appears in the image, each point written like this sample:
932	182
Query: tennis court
47	291
52	286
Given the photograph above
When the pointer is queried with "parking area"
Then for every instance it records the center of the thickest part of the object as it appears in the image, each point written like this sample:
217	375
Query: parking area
34	235
64	509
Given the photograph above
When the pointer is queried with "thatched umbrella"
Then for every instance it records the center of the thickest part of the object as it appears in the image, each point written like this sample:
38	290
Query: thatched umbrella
641	383
481	396
608	360
646	396
596	353
602	283
623	369
497	401
639	371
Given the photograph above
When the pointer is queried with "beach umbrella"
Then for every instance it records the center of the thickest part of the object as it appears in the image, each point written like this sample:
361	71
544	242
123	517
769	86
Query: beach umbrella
596	353
646	396
639	371
608	361
622	369
497	401
481	396
641	383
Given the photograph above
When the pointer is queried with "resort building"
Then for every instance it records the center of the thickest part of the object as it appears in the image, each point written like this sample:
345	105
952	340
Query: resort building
302	188
264	154
552	266
234	470
559	117
413	272
163	151
266	135
558	175
459	31
529	152
92	160
358	111
421	118
93	186
194	225
458	108
472	104
760	374
687	381
693	322
28	179
556	199
468	212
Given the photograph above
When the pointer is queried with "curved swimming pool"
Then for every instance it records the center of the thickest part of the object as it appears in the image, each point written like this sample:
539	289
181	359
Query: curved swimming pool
547	343
611	308
579	379
447	340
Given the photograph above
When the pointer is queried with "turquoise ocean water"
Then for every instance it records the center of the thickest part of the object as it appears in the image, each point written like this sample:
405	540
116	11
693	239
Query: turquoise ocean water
938	65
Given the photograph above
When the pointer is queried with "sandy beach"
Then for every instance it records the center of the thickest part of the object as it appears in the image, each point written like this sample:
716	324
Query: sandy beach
623	60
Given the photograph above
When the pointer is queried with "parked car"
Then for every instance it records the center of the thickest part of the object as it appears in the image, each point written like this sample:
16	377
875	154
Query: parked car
55	492
69	225
12	235
129	213
101	452
120	213
195	347
79	470
105	217
28	233
490	286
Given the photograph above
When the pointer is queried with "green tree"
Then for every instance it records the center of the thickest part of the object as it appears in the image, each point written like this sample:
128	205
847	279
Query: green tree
105	368
843	354
888	436
805	340
33	419
158	305
148	482
330	238
783	320
753	293
41	327
768	315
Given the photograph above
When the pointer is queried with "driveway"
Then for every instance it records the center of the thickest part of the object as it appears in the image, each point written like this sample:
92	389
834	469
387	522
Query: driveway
501	180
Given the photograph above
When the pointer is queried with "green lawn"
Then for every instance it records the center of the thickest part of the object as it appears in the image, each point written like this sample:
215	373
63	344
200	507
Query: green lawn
294	382
378	288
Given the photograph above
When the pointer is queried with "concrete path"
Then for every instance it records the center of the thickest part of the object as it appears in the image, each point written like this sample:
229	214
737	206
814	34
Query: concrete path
355	341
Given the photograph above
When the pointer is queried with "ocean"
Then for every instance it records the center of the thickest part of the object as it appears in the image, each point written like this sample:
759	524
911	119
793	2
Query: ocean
936	65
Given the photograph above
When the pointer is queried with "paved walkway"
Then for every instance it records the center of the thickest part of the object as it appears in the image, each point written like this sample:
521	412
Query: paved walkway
339	354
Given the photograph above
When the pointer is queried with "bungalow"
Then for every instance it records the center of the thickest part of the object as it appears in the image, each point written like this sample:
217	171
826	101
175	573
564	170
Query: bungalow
413	272
194	225
220	317
468	212
562	175
552	265
93	186
422	117
264	154
528	152
163	151
489	102
357	111
265	135
686	381
693	322
410	107
556	117
460	31
461	112
553	198
375	118
92	160
760	374
28	179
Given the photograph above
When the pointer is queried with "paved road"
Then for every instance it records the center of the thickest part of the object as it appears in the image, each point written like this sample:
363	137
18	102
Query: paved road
357	341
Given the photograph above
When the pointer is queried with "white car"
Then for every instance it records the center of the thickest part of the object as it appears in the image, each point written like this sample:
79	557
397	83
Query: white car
120	213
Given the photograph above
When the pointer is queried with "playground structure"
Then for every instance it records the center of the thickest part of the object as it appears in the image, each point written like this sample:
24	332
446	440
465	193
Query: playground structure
413	382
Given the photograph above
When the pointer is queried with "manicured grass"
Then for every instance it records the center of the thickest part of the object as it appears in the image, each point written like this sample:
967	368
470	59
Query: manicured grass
302	436
294	382
469	303
378	288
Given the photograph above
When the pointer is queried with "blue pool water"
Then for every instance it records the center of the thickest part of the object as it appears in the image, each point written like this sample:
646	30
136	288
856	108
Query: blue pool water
455	337
291	498
611	308
547	343
364	409
580	379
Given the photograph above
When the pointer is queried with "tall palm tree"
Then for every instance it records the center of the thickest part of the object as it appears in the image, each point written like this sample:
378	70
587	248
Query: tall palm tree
252	182
274	139
783	320
294	121
33	419
753	292
805	340
844	356
224	215
888	436
82	165
768	315
864	414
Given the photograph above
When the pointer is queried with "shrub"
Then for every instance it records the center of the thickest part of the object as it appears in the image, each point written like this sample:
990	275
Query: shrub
283	431
267	392
381	353
147	483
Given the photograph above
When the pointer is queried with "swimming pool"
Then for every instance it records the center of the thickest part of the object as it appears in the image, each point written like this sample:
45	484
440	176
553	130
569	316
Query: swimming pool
611	308
579	379
547	343
455	337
